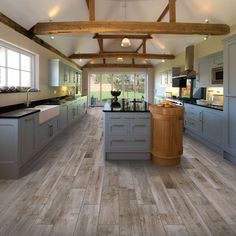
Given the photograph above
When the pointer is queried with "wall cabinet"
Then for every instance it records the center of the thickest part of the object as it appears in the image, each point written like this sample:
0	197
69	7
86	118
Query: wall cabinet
127	135
204	67
166	76
61	74
204	122
230	98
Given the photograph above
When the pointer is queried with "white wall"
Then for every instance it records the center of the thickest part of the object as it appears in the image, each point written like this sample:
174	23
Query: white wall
13	37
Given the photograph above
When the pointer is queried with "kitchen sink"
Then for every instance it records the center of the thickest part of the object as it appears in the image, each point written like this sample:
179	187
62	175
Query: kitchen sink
47	112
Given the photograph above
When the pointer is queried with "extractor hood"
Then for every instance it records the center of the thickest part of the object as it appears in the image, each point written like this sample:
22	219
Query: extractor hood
188	72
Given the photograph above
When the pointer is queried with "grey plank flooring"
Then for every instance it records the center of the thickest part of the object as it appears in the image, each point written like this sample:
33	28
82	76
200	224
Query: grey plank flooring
73	191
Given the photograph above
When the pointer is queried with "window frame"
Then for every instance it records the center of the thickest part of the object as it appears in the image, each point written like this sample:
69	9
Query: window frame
33	66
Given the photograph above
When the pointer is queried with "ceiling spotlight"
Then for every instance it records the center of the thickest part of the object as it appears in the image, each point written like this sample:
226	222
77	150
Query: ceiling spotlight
80	60
52	37
206	20
125	42
163	60
120	59
206	37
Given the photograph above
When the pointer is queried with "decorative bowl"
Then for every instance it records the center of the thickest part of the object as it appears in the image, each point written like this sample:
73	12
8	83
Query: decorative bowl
115	93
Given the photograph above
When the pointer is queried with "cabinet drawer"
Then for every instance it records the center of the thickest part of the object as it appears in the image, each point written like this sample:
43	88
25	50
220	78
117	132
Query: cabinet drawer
118	127
121	144
140	128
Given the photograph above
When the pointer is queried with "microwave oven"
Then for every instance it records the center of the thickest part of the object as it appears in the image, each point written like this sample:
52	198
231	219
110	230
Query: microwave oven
217	75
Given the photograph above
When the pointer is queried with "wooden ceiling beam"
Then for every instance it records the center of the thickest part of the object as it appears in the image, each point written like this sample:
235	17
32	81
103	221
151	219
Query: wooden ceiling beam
77	27
139	47
18	28
100	44
172	11
163	14
121	36
123	55
91	8
118	65
144	46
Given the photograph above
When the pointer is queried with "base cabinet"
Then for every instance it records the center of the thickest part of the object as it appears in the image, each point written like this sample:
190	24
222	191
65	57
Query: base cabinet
205	123
28	137
18	142
127	135
47	131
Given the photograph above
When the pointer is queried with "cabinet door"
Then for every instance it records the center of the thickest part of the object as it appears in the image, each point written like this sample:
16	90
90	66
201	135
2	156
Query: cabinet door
217	60
193	118
230	125
204	72
212	126
63	116
230	68
27	137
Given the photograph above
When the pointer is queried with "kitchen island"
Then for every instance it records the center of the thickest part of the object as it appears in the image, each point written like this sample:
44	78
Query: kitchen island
127	132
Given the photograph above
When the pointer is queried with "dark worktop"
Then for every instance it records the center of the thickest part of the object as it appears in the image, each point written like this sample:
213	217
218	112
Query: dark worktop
127	106
219	108
16	114
20	110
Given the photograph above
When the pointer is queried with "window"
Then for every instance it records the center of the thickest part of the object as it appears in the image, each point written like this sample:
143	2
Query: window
131	85
17	67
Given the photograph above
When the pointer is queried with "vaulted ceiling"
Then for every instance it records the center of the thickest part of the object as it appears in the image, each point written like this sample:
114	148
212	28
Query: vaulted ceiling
28	13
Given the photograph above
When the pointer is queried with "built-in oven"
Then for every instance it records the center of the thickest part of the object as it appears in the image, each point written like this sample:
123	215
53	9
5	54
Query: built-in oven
217	75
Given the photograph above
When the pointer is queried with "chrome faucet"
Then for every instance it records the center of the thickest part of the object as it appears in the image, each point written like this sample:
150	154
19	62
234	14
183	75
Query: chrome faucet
27	95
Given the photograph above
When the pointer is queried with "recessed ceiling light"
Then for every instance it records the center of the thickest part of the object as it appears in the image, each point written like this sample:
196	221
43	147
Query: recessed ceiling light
163	60
206	37
52	37
206	20
80	60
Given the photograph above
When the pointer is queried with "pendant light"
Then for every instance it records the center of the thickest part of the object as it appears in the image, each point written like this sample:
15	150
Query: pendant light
125	41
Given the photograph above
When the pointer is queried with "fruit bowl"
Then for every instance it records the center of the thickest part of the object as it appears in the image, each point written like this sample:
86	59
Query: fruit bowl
115	93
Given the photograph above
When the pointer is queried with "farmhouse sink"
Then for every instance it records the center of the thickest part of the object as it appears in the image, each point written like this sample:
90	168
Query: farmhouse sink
47	112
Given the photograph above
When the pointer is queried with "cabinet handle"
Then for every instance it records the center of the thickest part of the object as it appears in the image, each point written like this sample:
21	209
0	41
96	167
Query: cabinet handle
117	126
118	140
50	130
200	116
129	118
114	118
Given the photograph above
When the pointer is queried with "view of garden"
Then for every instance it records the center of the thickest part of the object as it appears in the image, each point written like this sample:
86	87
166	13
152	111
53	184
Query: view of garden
131	86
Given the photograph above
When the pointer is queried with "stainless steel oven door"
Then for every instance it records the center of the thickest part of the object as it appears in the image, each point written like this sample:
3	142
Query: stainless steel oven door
217	75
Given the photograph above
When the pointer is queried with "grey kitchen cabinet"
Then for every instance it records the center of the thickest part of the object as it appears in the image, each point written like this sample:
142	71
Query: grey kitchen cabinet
193	118
57	73
229	135
204	123
72	112
204	69
28	137
63	116
47	131
127	135
203	72
18	142
61	74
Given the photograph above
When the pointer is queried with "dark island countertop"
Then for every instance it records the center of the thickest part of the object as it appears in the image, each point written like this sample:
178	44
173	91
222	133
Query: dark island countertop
127	106
16	114
219	108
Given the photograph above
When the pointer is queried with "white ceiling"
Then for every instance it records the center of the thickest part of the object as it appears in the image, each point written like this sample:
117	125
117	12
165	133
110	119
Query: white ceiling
29	12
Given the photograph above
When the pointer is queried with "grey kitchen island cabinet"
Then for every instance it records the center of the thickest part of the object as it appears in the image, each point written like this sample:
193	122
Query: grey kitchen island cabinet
127	135
18	142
